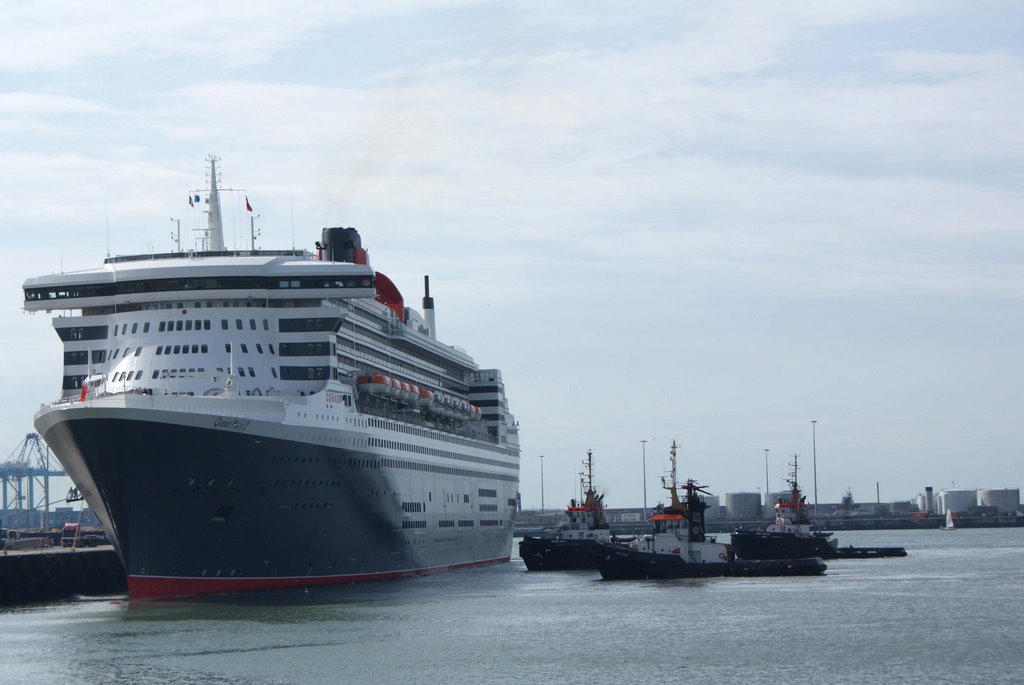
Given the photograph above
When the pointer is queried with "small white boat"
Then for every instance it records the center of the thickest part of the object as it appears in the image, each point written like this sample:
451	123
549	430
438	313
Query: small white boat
948	525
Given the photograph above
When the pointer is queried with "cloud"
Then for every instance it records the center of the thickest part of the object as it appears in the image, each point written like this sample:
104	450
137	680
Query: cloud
52	35
669	213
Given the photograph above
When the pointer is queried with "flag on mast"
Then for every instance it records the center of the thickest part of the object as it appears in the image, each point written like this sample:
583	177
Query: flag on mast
248	207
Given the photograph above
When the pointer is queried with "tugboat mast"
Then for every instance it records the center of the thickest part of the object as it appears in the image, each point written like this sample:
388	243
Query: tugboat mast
588	478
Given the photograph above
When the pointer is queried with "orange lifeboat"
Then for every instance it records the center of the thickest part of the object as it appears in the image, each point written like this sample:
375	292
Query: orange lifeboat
426	400
406	394
377	384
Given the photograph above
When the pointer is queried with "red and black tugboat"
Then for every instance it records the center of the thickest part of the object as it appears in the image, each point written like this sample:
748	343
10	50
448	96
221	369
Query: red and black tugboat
791	537
679	547
578	542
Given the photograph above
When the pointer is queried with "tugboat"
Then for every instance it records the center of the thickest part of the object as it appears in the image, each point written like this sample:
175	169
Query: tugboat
791	537
579	542
679	547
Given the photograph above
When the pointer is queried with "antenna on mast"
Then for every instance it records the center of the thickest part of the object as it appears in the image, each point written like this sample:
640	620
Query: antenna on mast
176	237
106	211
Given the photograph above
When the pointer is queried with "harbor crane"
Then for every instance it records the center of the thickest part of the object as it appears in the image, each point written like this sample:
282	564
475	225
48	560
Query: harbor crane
30	461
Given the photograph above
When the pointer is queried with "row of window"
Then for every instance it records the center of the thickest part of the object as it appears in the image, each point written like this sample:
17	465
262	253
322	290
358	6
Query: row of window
180	349
82	357
305	373
179	325
428	468
306	349
145	327
171	284
126	376
310	325
379	463
287	350
432	451
83	333
448	524
305	325
287	373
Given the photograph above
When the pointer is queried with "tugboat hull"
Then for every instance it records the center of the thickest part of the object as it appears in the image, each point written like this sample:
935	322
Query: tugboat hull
868	552
551	554
753	545
767	545
628	564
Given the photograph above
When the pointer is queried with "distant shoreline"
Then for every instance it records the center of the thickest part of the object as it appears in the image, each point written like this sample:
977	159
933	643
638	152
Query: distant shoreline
835	524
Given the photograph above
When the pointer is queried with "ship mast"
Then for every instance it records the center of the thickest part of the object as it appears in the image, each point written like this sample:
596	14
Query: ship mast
672	486
215	224
588	480
593	503
796	504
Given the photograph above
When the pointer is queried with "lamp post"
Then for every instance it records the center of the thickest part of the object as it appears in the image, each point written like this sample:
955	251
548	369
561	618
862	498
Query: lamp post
766	490
643	456
542	483
814	455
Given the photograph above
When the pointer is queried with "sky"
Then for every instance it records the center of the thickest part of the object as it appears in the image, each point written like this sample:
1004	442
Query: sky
708	222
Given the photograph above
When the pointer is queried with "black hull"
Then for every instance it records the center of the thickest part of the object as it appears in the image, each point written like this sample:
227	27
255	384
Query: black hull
549	554
756	545
197	511
628	564
868	552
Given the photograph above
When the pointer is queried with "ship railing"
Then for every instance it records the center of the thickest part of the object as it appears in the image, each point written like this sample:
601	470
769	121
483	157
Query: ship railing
389	410
193	253
242	407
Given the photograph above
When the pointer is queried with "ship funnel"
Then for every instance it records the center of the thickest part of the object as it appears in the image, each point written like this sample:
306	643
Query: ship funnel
342	245
215	224
428	308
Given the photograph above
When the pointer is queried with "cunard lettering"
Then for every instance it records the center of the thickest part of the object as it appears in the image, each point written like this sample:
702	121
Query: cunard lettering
231	424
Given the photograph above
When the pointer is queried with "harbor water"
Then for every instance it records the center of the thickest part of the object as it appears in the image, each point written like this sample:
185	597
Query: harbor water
952	611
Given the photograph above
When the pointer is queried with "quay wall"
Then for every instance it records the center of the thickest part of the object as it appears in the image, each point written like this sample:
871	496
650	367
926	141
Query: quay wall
53	573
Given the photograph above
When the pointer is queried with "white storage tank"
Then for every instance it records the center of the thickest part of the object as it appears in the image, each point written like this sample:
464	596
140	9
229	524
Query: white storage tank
956	500
743	505
713	504
1005	500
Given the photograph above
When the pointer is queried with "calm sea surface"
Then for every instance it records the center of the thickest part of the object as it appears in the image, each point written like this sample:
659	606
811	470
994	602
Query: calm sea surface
950	612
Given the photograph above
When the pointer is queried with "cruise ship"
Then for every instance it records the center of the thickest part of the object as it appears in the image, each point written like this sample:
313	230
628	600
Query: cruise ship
263	419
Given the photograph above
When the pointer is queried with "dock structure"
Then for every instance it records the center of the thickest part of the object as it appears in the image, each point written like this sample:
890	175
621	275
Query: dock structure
48	573
27	467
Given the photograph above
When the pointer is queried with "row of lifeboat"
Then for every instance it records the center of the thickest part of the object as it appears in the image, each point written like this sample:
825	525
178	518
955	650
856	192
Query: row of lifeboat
428	401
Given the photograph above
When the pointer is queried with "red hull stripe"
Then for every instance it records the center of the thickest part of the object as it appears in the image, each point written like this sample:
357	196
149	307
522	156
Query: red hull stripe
166	587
